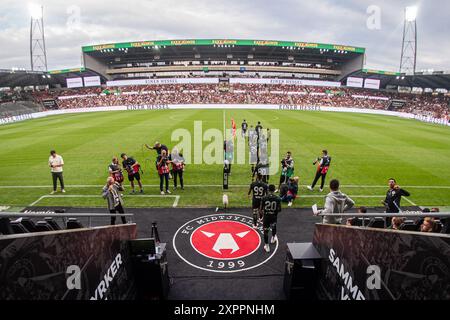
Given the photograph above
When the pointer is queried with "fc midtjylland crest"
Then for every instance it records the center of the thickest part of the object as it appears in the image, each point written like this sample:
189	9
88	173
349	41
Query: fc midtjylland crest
221	243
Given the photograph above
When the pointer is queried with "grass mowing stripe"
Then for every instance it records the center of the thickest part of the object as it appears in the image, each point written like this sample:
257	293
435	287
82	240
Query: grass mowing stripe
365	153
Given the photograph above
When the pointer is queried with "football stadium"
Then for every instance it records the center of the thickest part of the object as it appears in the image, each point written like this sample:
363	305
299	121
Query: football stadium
171	170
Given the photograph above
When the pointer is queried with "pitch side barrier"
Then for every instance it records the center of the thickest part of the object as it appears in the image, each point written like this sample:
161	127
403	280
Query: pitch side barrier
406	214
88	216
224	106
381	264
77	264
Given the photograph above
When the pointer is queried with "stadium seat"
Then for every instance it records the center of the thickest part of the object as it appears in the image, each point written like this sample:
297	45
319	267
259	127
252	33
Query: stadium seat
438	227
445	226
17	227
360	222
5	226
378	223
409	225
52	223
43	226
73	223
28	224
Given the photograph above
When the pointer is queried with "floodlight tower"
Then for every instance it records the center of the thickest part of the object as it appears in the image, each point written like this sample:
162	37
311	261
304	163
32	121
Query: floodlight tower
408	58
38	54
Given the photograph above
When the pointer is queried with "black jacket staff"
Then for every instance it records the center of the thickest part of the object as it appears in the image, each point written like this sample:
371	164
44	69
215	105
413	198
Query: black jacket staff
323	164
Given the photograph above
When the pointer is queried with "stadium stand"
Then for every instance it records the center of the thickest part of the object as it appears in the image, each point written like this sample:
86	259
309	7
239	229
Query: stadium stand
425	104
10	109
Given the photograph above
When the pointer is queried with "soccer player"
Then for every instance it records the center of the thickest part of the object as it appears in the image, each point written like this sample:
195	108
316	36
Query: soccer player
251	134
111	192
258	128
258	189
115	171
132	167
56	163
271	206
158	147
393	197
244	127
287	169
162	165
322	169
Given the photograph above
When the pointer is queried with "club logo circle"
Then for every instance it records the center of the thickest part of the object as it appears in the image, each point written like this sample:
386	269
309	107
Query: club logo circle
222	243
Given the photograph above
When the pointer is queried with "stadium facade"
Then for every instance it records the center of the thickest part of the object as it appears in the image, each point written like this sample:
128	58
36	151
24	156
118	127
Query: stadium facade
224	58
219	57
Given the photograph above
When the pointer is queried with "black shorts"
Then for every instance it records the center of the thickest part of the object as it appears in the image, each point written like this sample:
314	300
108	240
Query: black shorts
269	220
136	176
256	203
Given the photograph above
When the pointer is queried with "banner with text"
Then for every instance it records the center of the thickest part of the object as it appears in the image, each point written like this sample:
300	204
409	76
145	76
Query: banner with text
81	264
74	82
380	264
161	81
92	81
291	82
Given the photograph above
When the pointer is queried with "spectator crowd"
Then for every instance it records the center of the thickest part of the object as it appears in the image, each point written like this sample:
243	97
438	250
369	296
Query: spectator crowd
418	104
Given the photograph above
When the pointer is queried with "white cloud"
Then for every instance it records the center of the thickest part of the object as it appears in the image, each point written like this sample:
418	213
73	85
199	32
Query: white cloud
328	21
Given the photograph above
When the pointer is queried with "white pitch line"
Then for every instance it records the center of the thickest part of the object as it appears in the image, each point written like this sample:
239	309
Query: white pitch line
215	185
174	205
324	195
412	203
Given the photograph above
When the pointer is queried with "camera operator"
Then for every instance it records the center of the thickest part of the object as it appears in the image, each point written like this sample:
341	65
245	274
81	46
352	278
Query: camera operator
115	171
111	192
162	165
322	169
287	169
292	190
158	147
177	167
133	169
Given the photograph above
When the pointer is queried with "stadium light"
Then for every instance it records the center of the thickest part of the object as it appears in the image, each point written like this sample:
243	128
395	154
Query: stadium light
411	13
35	10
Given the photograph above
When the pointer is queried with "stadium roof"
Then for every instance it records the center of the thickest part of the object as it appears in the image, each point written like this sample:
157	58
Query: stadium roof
118	58
23	78
221	43
434	80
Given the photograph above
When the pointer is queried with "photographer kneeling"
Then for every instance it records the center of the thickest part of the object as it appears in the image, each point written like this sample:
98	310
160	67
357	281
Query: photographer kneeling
291	192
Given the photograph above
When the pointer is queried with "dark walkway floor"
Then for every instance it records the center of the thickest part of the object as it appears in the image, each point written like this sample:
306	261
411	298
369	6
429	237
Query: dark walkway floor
264	282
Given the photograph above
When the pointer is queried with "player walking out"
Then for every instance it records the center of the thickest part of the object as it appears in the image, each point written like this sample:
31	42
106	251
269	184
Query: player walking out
258	189
115	171
271	206
132	167
111	192
323	164
56	163
258	128
162	165
244	127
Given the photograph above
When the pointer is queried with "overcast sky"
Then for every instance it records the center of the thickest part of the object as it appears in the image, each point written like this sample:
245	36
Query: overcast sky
74	23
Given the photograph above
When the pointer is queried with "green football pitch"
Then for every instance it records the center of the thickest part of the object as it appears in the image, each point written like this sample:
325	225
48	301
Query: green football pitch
366	150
